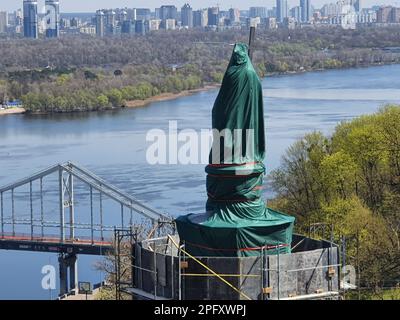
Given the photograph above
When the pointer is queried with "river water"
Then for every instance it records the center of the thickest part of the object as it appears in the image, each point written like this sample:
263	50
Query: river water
113	145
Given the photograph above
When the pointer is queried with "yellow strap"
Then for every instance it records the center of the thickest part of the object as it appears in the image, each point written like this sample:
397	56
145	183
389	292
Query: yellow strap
222	275
207	268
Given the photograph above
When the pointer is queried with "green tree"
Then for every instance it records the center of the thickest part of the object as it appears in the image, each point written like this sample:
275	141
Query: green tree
115	97
102	100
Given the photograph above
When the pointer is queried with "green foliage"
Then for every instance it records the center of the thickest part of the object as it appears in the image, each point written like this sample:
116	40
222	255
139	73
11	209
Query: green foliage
140	67
351	180
102	100
115	97
217	77
332	64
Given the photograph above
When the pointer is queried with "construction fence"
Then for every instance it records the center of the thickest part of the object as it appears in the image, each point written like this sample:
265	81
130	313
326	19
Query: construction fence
164	270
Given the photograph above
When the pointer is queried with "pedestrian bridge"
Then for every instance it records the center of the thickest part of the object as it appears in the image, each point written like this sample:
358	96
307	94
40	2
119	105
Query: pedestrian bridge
68	210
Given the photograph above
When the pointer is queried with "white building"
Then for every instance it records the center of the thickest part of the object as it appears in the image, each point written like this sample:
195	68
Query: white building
154	24
170	24
90	30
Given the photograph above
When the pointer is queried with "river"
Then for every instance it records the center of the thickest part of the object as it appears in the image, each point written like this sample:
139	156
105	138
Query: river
113	145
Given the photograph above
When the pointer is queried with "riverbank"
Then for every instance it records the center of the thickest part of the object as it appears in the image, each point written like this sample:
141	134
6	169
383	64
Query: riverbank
172	96
12	111
168	96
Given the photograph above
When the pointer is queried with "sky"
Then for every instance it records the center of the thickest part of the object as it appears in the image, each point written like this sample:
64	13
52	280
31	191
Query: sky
92	5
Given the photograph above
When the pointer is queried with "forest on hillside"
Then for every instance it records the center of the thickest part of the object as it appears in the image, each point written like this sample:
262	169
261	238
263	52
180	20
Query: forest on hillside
351	181
80	73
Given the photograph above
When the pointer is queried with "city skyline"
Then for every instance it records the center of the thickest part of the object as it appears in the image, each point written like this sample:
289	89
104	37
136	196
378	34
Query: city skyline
93	5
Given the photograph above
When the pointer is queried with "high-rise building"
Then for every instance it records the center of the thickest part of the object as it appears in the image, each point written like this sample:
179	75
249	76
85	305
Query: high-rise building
330	9
305	8
281	10
234	15
11	17
383	14
19	17
100	23
358	5
110	22
122	16
169	24
395	15
110	18
157	13
200	18
289	23
143	14
260	12
140	27
213	16
128	27
154	24
271	12
31	19
3	21
168	12
388	14
295	13
187	16
131	14
52	18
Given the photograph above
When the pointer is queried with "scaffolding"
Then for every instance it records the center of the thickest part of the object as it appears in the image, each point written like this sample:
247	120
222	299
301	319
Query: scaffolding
162	269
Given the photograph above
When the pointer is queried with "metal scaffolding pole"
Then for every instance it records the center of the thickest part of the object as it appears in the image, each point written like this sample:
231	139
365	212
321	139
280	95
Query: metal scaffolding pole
13	212
262	273
279	273
131	216
101	216
179	275
122	216
172	273
91	215
155	272
31	207
62	217
71	207
2	214
41	207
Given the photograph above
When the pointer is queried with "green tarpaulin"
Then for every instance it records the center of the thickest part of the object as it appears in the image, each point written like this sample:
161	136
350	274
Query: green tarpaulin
237	222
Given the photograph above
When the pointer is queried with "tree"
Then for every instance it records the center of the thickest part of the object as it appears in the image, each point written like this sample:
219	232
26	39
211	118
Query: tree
102	100
115	97
350	180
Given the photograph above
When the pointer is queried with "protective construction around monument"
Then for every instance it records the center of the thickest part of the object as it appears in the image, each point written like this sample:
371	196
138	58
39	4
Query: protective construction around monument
229	237
236	221
311	271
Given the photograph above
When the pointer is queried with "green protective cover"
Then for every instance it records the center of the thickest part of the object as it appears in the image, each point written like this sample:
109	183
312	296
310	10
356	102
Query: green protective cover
237	221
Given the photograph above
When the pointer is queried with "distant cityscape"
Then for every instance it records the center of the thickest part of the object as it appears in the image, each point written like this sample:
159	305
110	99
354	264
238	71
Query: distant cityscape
28	22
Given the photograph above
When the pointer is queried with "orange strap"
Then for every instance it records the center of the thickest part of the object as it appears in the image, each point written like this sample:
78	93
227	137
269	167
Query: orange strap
266	247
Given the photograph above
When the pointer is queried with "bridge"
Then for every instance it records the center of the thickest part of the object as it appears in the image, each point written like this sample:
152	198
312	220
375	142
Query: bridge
71	192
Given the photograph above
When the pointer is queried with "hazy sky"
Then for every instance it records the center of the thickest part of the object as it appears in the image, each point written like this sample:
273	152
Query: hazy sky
92	5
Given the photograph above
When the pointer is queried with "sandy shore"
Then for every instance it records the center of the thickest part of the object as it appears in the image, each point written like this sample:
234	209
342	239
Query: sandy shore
168	96
11	111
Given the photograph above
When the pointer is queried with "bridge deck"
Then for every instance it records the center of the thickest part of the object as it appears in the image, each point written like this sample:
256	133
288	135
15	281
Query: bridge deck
22	242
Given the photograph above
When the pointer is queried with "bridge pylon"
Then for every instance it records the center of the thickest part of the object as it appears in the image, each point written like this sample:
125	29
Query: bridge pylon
68	263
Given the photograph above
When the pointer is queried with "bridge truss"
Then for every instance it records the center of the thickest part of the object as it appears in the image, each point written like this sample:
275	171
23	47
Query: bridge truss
33	225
